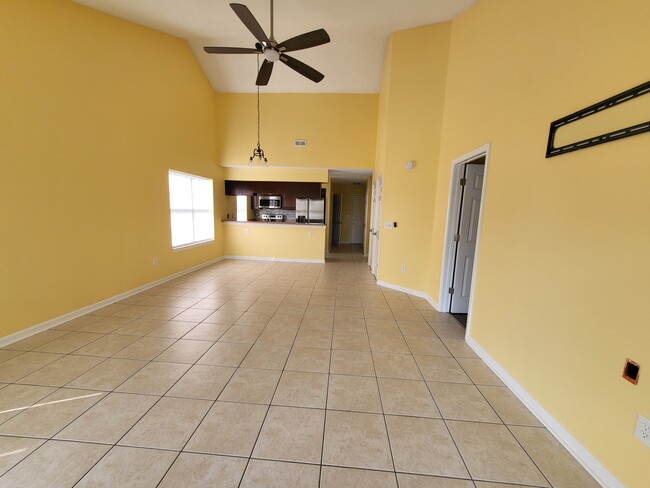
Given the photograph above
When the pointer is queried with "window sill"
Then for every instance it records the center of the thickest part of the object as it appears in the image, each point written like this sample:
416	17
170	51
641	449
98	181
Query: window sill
193	245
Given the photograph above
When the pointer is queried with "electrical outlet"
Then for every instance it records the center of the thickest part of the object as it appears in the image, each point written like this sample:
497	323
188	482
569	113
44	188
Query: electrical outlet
403	268
308	233
642	430
155	261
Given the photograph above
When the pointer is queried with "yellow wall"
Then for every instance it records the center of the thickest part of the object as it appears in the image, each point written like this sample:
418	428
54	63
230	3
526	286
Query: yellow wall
340	129
270	173
276	241
562	278
94	111
410	120
382	110
346	190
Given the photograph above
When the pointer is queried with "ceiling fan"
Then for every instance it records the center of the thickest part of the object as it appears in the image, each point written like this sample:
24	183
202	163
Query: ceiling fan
271	49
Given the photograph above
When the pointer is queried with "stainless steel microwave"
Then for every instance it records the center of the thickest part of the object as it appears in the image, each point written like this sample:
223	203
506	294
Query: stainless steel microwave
269	201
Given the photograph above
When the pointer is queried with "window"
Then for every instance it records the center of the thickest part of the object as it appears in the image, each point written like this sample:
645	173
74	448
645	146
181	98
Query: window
191	208
242	208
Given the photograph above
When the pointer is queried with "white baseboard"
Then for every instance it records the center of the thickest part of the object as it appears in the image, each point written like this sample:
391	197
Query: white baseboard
284	260
410	291
48	324
433	303
403	289
577	450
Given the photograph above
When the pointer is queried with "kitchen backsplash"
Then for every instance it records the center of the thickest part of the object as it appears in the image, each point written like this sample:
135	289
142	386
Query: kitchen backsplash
289	215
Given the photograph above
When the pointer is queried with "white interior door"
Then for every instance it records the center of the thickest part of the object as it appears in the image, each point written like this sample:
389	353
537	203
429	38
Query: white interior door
466	237
358	222
375	219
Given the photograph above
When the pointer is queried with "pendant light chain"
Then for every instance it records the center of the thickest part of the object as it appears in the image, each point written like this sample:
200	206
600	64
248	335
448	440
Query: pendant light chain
258	105
258	152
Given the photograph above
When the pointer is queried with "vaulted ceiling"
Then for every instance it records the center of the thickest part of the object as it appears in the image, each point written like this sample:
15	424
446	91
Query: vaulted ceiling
352	62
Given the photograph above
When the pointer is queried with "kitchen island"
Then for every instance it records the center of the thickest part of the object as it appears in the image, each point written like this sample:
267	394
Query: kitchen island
274	241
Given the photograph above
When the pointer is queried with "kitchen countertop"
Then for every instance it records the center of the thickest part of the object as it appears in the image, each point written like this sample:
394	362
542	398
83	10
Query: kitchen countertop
260	222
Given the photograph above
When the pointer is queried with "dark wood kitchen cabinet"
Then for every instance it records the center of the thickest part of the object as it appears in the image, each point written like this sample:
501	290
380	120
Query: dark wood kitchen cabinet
289	190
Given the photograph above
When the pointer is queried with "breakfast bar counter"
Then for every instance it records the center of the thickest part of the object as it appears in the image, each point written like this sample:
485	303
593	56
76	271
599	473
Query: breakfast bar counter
274	241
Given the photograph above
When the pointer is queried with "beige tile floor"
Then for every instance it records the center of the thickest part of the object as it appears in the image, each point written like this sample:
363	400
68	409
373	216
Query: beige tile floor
259	374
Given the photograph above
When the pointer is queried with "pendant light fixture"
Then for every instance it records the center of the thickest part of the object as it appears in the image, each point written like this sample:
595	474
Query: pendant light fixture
258	152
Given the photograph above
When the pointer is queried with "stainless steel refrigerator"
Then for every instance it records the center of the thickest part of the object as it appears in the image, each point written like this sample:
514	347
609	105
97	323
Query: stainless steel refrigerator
310	210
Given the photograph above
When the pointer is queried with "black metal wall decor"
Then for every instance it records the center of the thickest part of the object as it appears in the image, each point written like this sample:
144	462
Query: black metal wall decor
614	101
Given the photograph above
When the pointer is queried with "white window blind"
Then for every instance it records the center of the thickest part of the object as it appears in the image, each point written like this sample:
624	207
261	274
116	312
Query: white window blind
191	208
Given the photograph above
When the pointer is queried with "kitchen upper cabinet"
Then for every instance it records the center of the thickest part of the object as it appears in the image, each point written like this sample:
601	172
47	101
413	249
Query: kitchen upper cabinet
289	190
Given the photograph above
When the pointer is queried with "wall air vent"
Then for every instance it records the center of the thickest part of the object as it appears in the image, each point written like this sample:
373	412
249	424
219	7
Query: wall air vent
300	143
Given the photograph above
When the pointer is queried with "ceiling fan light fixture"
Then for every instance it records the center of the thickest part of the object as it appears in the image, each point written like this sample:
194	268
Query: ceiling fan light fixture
271	55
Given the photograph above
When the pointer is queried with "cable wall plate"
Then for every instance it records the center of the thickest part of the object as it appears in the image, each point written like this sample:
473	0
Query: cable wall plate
594	109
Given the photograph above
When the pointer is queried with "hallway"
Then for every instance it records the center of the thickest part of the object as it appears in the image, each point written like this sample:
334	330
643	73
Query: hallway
267	374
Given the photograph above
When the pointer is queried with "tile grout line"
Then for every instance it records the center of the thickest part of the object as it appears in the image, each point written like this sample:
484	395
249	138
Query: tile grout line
250	457
82	413
327	390
426	383
381	402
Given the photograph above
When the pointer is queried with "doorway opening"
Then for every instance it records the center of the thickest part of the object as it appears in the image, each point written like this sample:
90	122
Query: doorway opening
462	235
348	211
347	219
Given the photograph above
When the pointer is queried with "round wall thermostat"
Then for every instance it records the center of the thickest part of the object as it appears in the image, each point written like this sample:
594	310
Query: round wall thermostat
409	165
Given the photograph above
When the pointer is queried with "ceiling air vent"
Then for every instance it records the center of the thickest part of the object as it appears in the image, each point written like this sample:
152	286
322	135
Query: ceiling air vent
300	143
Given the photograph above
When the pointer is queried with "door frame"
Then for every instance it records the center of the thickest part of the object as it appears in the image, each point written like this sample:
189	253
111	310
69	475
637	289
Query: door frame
453	214
366	220
375	224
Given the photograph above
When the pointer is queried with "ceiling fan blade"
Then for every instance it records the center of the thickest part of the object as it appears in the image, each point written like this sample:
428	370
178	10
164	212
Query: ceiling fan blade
265	73
230	50
303	41
250	22
302	68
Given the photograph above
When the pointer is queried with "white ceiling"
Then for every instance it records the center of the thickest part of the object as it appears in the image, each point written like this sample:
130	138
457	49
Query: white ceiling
351	63
345	175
